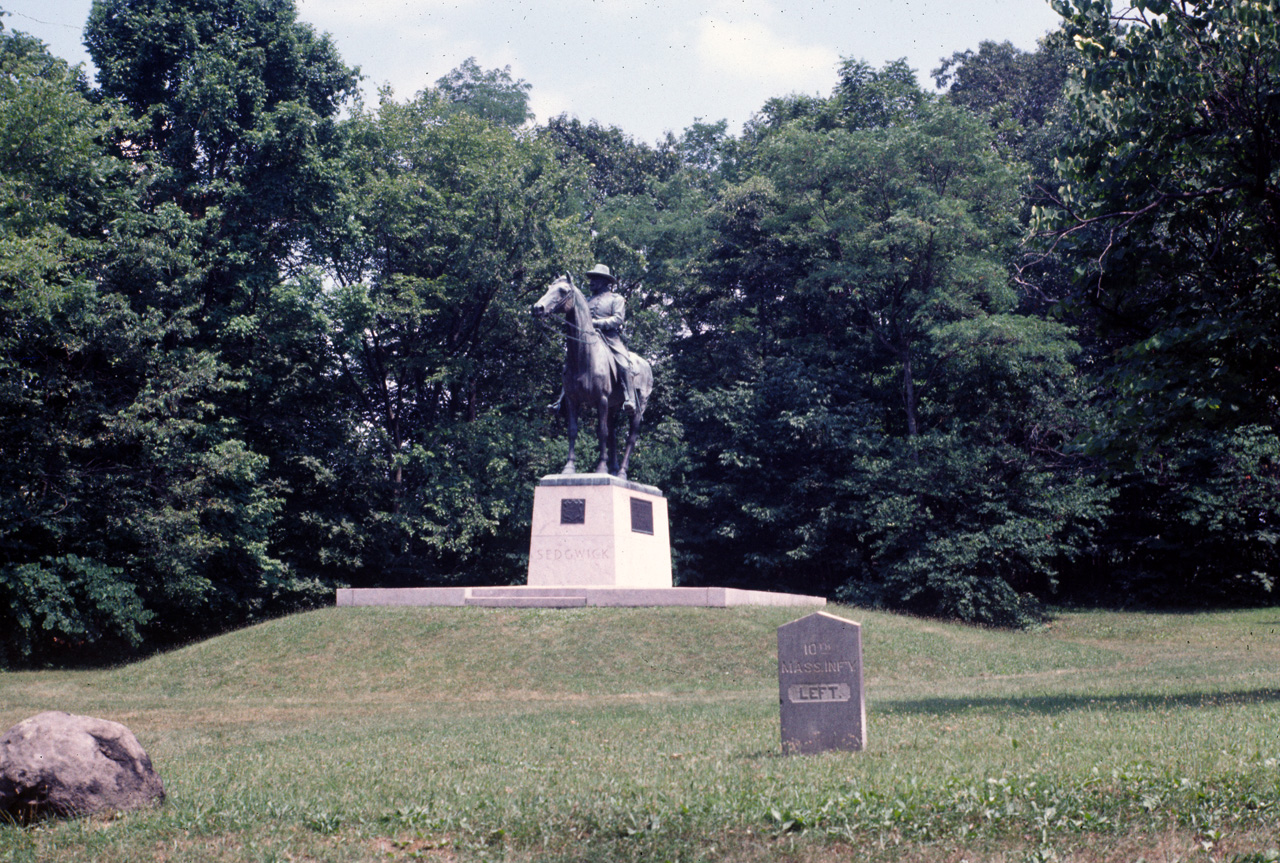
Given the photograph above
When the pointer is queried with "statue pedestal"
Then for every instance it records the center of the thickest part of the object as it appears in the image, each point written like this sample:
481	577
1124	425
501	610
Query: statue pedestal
600	531
596	541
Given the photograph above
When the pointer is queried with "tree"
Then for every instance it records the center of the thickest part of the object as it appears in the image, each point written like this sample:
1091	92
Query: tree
900	224
1170	212
460	222
65	349
490	94
874	411
232	133
1003	82
867	98
127	514
617	165
863	98
1021	96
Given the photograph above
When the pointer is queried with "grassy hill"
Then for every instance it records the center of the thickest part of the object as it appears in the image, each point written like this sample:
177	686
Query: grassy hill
363	734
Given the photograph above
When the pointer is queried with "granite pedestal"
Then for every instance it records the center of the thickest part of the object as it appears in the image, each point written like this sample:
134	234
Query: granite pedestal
595	530
595	540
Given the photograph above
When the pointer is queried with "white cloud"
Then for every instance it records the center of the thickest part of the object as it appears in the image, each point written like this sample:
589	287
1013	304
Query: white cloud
546	102
750	52
338	15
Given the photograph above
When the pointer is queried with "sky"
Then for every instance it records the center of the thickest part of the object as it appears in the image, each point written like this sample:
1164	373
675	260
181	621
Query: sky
645	66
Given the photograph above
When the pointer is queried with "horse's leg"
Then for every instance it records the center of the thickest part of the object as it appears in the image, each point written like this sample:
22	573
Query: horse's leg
632	432
602	432
642	386
613	443
571	419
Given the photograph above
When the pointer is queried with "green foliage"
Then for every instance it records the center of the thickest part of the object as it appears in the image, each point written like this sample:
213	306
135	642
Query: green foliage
867	98
1169	214
236	105
1199	528
128	373
459	224
863	98
1169	209
65	350
873	413
490	94
207	75
616	164
771	493
54	608
1018	91
1021	95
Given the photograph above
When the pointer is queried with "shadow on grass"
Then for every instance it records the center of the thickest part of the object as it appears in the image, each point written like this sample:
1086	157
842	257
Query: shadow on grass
1053	704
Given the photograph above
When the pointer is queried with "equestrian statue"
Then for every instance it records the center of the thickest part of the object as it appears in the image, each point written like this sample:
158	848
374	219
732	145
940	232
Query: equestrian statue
600	373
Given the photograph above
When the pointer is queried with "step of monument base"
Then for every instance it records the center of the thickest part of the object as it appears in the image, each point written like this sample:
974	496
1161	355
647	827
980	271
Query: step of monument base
569	597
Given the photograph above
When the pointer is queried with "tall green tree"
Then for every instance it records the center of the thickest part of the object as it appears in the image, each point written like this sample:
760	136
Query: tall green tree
233	125
1170	212
1019	91
461	222
490	94
127	513
65	356
617	165
871	397
1021	94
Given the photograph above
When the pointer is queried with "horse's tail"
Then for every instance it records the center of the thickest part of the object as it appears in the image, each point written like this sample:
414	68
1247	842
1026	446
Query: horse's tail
641	376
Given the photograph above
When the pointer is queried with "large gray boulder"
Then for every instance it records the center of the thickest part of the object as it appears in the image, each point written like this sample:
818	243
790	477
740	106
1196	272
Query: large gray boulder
59	764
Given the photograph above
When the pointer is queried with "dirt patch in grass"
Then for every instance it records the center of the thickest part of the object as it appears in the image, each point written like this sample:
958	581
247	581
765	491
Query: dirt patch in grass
416	848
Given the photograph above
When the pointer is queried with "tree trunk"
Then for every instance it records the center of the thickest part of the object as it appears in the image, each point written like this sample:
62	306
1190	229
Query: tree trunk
909	403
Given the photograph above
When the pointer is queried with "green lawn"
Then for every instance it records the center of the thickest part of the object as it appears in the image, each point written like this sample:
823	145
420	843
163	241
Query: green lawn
365	734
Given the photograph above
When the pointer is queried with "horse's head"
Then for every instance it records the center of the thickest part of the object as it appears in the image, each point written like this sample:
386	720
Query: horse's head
557	300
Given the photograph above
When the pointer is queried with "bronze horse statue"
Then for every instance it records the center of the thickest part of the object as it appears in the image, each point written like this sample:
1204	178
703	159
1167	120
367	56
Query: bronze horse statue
590	378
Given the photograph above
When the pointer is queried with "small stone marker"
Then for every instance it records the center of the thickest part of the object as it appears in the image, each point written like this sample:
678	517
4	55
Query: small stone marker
820	684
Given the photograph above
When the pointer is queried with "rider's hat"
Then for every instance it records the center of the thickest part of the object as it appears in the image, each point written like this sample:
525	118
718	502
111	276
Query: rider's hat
601	271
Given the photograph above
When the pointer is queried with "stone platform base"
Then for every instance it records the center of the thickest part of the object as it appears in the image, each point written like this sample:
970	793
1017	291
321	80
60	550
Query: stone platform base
595	530
570	597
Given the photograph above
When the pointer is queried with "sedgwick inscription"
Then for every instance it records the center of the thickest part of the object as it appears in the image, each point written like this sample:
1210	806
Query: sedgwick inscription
571	554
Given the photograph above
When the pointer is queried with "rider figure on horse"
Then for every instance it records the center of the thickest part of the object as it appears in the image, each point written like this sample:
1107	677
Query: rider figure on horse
608	311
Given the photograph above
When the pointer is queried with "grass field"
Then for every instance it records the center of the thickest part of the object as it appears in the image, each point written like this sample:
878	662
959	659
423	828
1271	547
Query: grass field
368	734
